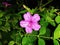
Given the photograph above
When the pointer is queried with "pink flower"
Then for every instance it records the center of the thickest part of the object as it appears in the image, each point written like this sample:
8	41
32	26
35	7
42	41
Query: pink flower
6	4
30	22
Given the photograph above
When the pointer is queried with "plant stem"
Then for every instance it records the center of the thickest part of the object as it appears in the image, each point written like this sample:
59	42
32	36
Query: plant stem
46	37
40	2
47	3
2	20
58	40
39	36
26	7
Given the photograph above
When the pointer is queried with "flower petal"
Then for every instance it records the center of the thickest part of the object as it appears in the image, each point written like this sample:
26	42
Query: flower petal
36	17
23	23
28	30
27	16
36	26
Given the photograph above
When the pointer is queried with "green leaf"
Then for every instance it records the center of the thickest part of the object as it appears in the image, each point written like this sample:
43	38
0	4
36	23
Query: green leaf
57	32
34	33
44	25
28	40
0	43
52	15
0	22
57	19
56	42
13	35
47	34
53	10
18	38
11	43
7	26
1	14
43	22
14	22
32	11
50	20
41	41
7	17
21	12
42	30
25	41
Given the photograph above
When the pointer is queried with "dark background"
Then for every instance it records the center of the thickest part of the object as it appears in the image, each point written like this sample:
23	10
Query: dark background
32	4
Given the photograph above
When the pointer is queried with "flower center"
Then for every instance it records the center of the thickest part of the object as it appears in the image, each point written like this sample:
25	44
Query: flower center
30	23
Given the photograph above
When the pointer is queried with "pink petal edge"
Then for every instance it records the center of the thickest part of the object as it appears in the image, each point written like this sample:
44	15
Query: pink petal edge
36	17
36	27
28	30
27	16
23	23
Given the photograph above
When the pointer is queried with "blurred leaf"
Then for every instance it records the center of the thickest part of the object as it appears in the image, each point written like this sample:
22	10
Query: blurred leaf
25	41
0	35
34	33
19	17
53	10
50	20
56	42
7	26
32	11
11	43
1	14
47	34
57	19
13	35
50	14
0	22
41	41
32	37
42	9
43	22
42	30
14	22
18	38
44	25
0	43
57	32
7	17
23	11
28	40
43	14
